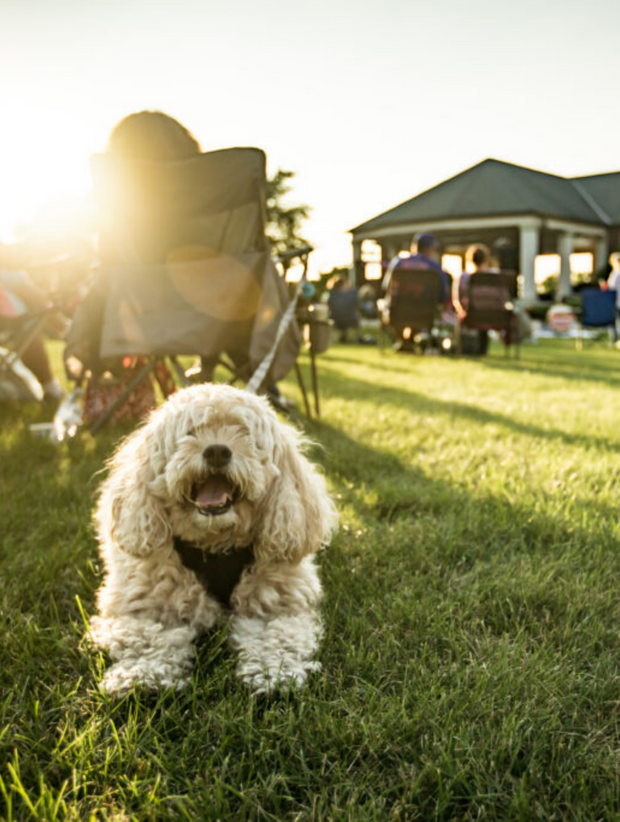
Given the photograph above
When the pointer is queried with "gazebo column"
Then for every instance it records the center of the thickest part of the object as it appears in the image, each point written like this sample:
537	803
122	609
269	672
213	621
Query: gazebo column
389	249
601	253
528	250
565	249
358	265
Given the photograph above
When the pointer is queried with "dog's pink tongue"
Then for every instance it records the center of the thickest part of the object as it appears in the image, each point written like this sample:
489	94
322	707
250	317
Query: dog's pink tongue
214	493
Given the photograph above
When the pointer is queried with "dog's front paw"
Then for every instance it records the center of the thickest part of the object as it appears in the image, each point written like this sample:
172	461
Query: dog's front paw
118	679
124	675
266	680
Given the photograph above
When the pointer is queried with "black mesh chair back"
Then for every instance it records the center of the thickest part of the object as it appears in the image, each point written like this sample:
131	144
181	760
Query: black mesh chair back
491	300
414	296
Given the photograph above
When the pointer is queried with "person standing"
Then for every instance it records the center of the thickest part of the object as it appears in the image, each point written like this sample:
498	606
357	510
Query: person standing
613	281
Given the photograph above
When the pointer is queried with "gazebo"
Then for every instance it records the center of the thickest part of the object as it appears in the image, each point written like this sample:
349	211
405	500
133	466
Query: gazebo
518	212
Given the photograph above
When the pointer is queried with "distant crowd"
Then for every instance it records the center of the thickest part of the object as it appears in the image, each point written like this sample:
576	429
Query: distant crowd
355	311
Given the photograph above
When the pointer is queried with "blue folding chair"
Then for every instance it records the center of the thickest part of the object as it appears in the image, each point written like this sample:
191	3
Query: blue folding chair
598	310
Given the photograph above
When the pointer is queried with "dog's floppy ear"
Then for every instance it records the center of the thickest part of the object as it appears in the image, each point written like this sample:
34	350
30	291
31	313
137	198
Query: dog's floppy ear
128	512
298	515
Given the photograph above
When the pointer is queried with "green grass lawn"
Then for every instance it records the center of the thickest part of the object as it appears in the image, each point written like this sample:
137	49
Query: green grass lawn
471	659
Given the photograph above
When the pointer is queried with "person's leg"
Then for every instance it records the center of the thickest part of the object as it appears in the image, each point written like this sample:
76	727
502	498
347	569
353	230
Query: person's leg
208	364
35	358
207	367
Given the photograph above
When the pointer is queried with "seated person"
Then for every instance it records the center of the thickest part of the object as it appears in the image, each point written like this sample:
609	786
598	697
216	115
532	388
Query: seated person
476	341
613	281
147	135
478	258
424	254
343	305
368	302
152	135
157	138
20	296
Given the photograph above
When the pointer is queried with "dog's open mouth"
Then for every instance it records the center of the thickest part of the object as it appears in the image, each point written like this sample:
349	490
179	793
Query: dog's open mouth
214	496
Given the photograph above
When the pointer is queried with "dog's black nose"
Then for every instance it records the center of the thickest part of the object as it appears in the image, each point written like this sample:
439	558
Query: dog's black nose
217	455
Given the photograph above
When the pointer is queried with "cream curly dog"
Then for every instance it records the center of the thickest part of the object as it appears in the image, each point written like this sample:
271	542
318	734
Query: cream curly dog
211	511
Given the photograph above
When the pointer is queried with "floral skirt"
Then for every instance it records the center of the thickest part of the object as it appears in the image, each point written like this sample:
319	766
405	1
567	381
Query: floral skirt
101	393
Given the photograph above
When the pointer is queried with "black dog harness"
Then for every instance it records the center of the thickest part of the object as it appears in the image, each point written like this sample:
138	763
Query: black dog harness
217	573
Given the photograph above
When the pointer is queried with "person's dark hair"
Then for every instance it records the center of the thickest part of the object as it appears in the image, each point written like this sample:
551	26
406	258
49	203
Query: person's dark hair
146	135
425	242
367	292
478	254
152	135
335	283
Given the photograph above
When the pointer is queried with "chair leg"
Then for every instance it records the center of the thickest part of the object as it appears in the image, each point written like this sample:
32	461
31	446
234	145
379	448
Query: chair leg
302	387
315	383
232	368
37	325
178	369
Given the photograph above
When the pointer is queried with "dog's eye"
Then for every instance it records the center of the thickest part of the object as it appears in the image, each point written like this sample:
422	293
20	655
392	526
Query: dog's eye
191	432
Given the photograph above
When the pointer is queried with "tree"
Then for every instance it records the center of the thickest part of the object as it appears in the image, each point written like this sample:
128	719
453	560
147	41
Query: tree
284	223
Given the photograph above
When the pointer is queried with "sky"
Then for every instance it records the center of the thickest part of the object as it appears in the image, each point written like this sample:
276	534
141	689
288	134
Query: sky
368	103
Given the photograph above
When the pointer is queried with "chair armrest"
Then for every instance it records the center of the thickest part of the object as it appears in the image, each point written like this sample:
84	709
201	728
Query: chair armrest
293	253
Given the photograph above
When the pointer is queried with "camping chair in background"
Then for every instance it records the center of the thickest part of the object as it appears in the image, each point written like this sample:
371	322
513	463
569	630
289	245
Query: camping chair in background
598	310
492	307
185	270
413	303
17	331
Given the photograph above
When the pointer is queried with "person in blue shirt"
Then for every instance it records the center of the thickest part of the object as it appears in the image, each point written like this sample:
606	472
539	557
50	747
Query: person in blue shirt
426	255
343	306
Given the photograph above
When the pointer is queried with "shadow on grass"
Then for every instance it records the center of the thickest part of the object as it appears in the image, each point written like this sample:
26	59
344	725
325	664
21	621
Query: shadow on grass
575	366
362	389
576	372
406	490
509	568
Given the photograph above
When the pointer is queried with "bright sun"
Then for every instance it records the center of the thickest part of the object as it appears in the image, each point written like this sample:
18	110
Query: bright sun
40	173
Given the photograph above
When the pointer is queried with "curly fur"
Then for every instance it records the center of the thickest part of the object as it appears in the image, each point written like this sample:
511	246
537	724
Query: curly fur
151	606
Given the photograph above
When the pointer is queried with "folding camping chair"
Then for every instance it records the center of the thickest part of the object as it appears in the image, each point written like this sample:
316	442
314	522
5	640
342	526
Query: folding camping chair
16	334
492	297
413	298
598	310
186	270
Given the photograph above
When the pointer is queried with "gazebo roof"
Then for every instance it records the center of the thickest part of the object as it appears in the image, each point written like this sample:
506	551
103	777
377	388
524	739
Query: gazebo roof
604	189
493	188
